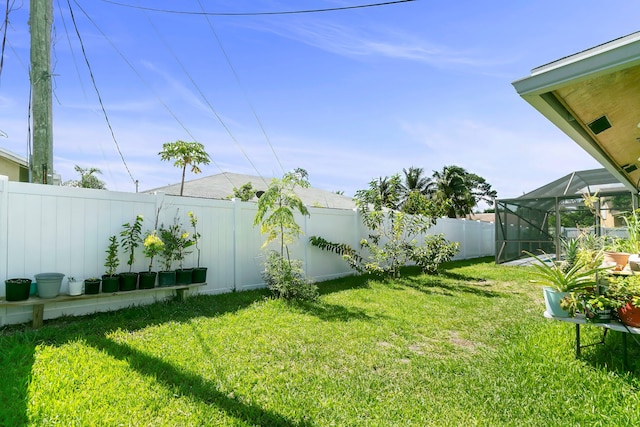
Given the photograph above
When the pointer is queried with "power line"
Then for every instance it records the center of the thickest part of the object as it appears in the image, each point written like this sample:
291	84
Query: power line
4	35
206	100
235	74
286	12
145	82
93	81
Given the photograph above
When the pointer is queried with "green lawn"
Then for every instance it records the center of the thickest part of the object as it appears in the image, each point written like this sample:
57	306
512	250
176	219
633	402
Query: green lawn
469	347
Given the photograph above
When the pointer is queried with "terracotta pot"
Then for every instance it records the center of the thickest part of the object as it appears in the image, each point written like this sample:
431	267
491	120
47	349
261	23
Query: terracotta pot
619	258
630	315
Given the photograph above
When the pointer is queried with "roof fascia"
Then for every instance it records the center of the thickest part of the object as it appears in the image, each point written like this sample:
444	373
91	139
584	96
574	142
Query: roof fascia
604	59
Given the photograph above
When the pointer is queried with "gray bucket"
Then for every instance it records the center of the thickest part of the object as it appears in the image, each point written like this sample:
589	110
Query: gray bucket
49	284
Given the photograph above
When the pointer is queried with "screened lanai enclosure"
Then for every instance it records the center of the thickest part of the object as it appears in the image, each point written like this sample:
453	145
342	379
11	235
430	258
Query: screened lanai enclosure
591	201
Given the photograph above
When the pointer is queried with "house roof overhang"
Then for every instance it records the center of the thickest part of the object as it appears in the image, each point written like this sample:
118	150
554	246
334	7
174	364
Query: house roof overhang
594	97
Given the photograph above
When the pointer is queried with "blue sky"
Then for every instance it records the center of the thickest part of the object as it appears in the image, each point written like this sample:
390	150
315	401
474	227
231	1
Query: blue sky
348	95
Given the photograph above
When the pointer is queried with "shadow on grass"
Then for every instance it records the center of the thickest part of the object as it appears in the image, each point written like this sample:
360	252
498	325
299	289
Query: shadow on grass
188	384
439	285
333	312
19	342
16	362
610	354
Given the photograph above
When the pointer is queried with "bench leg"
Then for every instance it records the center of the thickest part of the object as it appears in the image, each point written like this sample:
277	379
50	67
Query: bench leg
180	294
38	315
577	340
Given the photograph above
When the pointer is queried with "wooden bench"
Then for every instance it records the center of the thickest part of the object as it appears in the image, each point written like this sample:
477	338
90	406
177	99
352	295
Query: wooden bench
39	303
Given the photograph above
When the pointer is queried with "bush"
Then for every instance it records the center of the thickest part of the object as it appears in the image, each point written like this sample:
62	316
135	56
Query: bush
435	251
286	278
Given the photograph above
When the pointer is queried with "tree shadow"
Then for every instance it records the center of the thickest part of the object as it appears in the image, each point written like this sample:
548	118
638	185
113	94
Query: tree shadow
16	362
344	283
188	384
333	312
19	342
438	285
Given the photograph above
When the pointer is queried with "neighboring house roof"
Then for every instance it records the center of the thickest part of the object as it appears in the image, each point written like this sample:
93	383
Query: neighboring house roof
221	186
486	217
9	155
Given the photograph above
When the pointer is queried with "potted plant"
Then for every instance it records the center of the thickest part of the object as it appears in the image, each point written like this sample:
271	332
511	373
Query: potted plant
558	282
184	276
92	285
199	273
596	307
110	280
17	289
49	284
167	276
129	240
75	286
152	246
627	292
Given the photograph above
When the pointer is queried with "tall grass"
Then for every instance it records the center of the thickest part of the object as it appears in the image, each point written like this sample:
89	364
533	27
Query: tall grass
468	347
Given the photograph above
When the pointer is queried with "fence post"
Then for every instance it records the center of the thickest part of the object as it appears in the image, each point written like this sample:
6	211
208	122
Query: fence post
234	228
4	239
4	226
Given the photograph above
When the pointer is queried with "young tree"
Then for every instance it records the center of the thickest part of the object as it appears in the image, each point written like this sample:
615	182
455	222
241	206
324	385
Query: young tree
393	233
276	209
275	215
184	154
245	192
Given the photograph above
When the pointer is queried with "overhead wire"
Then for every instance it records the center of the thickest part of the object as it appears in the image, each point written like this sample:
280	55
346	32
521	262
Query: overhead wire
73	55
144	81
287	12
95	86
4	36
246	96
206	100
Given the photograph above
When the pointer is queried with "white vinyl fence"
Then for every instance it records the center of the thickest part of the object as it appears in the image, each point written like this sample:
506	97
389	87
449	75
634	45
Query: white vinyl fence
47	228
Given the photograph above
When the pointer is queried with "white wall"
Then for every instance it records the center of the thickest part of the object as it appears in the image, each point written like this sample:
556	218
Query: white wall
62	229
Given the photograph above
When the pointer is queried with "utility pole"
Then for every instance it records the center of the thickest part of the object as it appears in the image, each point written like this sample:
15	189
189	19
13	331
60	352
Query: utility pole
40	22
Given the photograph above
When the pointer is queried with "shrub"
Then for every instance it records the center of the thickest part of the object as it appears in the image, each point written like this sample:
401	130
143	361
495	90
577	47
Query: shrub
286	278
435	251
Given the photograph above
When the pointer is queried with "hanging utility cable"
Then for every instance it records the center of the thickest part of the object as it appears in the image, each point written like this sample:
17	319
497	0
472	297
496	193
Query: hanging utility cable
95	86
142	79
4	36
286	12
246	97
206	100
73	55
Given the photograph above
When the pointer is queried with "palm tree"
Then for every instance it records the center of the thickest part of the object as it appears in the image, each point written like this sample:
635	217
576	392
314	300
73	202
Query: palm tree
462	190
415	181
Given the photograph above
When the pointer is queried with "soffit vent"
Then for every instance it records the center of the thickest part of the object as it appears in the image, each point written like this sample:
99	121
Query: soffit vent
599	125
630	167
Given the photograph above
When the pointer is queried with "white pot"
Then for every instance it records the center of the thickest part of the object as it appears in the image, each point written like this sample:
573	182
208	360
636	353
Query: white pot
634	262
75	287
